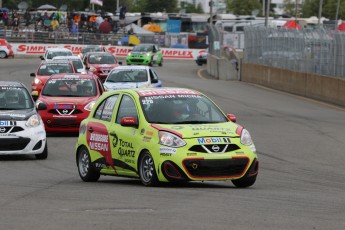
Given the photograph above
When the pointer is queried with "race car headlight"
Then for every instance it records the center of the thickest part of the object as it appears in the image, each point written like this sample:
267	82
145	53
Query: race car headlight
171	140
129	53
33	121
148	54
246	139
92	69
89	106
37	81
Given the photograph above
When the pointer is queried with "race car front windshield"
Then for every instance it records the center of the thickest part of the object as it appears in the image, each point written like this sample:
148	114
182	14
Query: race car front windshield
181	109
49	69
127	75
14	98
56	87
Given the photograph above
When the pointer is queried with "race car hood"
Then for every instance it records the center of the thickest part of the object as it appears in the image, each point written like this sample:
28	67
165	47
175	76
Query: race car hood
17	115
104	66
227	129
51	101
125	85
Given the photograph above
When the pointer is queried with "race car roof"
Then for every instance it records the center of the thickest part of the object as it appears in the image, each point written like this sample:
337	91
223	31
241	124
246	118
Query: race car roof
11	84
73	75
165	91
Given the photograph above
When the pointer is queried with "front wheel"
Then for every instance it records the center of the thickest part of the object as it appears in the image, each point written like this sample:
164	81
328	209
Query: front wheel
147	171
86	170
244	181
3	54
161	62
44	154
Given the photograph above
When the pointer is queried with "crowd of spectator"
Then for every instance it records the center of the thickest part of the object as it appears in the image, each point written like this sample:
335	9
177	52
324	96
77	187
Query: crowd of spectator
54	21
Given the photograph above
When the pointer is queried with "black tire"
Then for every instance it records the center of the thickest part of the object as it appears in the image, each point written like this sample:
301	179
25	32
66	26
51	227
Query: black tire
147	171
44	154
86	170
3	54
151	62
161	63
244	181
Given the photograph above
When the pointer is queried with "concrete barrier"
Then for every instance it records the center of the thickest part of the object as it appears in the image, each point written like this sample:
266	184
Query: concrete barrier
323	88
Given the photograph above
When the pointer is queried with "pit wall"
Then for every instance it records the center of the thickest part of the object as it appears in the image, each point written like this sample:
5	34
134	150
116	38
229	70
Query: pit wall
322	88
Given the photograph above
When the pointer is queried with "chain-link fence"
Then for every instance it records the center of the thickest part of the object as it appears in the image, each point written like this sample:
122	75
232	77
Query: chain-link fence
317	51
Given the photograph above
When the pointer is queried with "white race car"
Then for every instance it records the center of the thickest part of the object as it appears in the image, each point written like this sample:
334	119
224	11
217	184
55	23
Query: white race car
21	128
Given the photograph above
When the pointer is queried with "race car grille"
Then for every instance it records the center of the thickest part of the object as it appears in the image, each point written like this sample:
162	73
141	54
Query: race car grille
65	111
137	60
14	144
10	129
63	123
216	168
221	148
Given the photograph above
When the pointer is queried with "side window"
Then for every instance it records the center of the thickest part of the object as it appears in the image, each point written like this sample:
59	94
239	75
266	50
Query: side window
127	109
106	108
153	76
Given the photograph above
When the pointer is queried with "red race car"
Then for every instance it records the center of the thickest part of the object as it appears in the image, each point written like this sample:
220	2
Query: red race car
67	99
100	63
45	70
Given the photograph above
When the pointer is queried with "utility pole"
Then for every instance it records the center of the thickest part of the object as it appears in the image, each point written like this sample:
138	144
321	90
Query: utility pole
268	3
211	13
320	12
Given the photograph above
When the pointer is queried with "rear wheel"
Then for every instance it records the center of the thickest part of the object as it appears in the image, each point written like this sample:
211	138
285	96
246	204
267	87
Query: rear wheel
86	170
161	62
147	170
3	54
44	154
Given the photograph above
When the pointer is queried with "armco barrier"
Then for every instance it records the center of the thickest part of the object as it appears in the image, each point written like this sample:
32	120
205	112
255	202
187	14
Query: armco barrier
323	88
35	49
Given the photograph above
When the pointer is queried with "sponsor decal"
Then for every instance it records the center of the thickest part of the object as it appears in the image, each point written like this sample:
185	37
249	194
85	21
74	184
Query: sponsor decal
125	149
210	140
165	154
147	139
167	150
115	140
157	92
210	128
5	123
149	133
99	142
239	153
192	154
142	131
215	148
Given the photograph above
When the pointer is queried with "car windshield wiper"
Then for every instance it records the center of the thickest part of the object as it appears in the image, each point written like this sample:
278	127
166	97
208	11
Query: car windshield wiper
195	122
159	122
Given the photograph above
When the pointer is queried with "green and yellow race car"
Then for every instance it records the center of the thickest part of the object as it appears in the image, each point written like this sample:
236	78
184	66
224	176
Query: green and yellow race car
164	135
145	54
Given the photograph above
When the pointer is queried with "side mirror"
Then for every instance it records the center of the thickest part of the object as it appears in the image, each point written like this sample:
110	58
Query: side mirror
41	106
120	62
32	75
129	121
231	117
87	67
41	57
154	80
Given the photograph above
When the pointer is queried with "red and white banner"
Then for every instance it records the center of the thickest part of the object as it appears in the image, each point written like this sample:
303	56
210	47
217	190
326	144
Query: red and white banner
97	2
119	51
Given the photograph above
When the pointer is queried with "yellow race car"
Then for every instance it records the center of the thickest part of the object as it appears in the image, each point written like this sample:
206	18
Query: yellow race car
164	135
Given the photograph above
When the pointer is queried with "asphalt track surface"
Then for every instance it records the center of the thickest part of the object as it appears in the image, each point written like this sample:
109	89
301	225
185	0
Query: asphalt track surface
301	182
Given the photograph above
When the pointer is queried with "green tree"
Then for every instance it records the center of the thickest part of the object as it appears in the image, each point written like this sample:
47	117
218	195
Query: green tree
310	8
243	7
190	8
289	7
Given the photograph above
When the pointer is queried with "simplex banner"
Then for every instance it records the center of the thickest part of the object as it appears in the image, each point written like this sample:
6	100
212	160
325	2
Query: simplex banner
120	51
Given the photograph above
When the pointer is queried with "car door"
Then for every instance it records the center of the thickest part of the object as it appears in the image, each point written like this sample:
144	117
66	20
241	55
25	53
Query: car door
124	139
97	135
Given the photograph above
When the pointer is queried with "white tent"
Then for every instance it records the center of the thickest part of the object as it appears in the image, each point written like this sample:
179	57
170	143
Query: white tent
137	29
